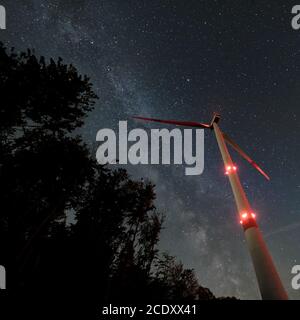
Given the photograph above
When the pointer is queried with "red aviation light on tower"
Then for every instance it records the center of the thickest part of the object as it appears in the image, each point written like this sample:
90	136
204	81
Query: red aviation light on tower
230	169
245	217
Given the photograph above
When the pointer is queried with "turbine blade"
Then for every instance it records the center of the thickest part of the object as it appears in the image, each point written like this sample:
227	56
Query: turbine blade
244	155
177	123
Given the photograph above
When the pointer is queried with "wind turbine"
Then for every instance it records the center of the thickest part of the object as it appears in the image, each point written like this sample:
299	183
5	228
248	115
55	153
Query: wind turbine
269	282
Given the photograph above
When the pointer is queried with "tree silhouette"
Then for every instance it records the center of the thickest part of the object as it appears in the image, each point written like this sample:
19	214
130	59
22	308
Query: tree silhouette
48	174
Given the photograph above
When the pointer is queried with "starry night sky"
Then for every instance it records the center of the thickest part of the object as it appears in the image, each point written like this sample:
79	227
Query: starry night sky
184	60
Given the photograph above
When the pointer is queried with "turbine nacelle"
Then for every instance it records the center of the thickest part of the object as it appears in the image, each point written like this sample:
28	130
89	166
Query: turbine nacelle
216	118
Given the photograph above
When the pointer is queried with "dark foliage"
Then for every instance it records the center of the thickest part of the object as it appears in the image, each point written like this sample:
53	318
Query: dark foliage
48	174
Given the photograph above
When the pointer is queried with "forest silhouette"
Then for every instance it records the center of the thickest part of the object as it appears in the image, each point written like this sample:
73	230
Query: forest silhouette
48	173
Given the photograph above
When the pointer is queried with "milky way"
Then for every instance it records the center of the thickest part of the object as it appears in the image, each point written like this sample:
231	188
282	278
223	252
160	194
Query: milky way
184	60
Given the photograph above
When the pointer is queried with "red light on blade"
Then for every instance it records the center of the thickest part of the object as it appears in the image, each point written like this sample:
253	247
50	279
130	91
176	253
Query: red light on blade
253	215
234	168
241	221
228	168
